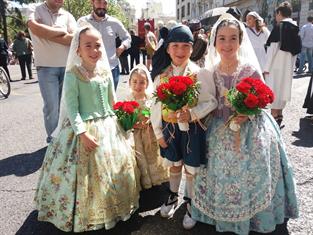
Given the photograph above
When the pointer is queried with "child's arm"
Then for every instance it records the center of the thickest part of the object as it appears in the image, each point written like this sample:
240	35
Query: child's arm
207	97
156	117
71	95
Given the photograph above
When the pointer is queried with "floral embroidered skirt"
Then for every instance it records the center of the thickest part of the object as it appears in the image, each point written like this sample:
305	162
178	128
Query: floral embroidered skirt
247	184
80	191
148	158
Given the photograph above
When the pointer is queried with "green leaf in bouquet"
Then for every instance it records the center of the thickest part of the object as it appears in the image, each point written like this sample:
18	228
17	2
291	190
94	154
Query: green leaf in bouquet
146	112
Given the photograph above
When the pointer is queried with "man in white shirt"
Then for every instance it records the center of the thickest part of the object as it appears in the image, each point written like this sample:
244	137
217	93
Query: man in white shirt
51	29
110	28
306	34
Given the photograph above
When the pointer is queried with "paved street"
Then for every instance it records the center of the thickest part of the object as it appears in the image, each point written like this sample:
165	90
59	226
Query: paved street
22	148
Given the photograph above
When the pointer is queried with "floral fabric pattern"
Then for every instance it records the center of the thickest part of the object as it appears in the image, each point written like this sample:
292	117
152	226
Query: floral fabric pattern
245	189
149	160
81	191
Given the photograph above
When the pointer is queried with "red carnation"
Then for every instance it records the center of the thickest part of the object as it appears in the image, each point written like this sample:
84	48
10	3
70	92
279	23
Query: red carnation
178	88
117	105
249	80
251	101
161	91
187	81
263	100
134	104
175	79
243	87
128	108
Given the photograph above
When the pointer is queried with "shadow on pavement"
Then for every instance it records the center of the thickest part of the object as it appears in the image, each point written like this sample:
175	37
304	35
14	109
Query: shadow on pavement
304	134
33	226
146	221
30	82
22	164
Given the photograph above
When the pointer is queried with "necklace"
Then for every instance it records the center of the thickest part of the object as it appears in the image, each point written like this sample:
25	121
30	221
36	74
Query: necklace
228	68
87	72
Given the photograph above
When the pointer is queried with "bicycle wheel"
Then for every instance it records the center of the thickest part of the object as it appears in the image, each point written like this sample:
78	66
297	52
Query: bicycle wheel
5	86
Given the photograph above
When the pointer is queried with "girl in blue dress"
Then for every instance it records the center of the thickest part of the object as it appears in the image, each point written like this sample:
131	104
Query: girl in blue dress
247	183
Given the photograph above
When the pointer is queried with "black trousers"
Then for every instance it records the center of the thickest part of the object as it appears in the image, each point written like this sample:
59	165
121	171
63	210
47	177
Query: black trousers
134	58
4	64
25	60
124	64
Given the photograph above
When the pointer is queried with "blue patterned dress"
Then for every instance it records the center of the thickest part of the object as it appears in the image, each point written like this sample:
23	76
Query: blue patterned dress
247	186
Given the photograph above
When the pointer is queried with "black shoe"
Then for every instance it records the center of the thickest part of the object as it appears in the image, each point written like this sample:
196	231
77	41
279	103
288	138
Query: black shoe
279	120
22	78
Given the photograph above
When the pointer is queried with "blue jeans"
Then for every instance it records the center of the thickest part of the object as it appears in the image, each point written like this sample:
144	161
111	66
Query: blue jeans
116	75
50	83
306	53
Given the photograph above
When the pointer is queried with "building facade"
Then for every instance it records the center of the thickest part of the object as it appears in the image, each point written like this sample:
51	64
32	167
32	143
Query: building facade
183	10
130	12
194	9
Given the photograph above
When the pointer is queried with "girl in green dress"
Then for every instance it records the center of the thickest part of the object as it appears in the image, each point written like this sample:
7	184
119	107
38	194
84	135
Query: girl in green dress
89	175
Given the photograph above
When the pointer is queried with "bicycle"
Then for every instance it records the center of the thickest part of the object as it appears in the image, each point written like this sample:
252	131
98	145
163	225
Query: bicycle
5	86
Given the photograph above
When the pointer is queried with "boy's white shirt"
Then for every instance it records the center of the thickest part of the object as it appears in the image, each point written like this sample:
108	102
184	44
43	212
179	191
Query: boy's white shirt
206	100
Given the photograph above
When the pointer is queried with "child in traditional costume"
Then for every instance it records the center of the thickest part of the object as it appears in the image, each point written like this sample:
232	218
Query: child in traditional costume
181	148
247	183
146	146
89	175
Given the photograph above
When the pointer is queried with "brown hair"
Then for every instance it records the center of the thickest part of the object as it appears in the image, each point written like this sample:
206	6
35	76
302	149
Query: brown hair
147	26
285	9
258	24
84	30
225	23
21	34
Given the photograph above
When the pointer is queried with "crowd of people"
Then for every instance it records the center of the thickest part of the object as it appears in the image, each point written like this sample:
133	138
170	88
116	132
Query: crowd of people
93	171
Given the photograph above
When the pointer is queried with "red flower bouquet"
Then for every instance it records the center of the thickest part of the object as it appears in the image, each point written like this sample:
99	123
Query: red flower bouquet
178	92
250	96
127	113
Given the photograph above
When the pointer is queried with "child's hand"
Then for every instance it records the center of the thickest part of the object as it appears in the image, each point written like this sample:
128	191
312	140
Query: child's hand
239	119
162	143
90	142
184	115
142	124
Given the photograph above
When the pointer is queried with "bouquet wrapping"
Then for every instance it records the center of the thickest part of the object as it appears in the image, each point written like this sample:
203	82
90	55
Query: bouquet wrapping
177	93
127	113
249	97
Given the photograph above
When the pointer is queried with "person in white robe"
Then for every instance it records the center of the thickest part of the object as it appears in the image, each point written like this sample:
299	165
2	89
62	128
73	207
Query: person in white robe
258	35
283	45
